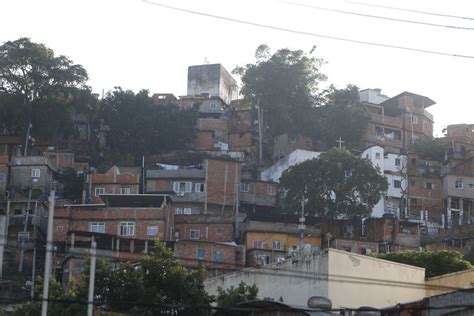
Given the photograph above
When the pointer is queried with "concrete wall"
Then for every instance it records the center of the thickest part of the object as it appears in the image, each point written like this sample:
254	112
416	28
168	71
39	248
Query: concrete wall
450	282
358	280
298	156
212	79
293	280
349	280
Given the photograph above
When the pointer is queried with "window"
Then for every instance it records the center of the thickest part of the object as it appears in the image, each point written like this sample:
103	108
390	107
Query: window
199	187
186	210
414	119
194	234
213	106
99	191
220	231
348	229
127	229
397	184
471	185
22	236
178	211
238	255
377	155
97	228
347	248
124	190
263	259
2	177
244	187
201	254
429	185
258	244
182	187
276	245
219	255
270	189
398	162
152	230
413	201
458	184
60	228
35	173
365	250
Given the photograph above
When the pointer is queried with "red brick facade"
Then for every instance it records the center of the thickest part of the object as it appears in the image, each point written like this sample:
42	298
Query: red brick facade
113	182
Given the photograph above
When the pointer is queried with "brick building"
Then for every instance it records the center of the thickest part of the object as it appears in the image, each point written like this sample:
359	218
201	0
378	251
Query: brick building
397	122
285	144
113	181
205	204
124	226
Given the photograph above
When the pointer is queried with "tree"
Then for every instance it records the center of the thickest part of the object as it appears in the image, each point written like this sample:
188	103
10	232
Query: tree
335	184
430	149
285	85
62	303
341	115
235	295
73	185
139	127
159	284
436	262
38	88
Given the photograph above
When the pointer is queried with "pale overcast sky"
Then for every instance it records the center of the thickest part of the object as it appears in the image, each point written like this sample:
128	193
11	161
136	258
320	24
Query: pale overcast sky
136	45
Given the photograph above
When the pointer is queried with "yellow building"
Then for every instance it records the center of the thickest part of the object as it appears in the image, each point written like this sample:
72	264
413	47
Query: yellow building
268	242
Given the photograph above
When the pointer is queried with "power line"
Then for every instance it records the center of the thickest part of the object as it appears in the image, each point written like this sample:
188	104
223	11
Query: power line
379	17
411	10
277	28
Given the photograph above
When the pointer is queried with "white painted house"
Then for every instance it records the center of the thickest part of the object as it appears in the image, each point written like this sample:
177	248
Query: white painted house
393	167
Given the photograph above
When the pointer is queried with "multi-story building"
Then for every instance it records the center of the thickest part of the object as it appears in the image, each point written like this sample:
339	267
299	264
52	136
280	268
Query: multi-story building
272	238
124	226
459	139
285	144
396	123
205	205
458	192
33	172
393	166
113	181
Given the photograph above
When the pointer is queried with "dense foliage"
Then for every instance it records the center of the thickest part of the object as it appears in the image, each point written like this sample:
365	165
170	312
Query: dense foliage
285	85
137	126
38	87
436	262
335	184
235	295
342	115
160	284
73	185
430	149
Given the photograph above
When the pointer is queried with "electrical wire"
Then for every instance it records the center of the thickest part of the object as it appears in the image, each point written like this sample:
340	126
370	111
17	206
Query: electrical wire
411	10
379	17
278	28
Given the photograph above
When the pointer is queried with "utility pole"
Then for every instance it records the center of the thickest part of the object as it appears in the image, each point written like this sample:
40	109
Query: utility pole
25	230
260	136
302	227
90	299
49	253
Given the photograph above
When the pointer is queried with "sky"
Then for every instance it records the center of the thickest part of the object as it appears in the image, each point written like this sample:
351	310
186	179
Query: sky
137	45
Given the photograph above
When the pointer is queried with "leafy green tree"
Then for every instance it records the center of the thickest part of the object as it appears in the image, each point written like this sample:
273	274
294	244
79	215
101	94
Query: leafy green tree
436	262
430	149
38	88
139	127
335	184
62	303
73	185
235	295
286	86
341	115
